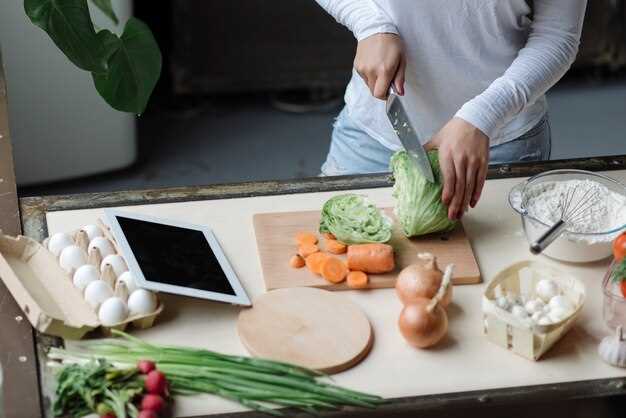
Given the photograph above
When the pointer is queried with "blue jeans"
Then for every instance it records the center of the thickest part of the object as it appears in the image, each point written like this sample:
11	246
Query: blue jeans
353	151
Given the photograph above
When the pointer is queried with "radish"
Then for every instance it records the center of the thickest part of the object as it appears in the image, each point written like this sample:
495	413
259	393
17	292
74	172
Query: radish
152	402
156	383
145	366
108	415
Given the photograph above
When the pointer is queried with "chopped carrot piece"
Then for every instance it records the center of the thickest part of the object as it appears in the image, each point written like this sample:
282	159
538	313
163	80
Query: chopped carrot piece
357	280
371	258
306	238
335	247
334	270
314	262
307	249
328	235
296	261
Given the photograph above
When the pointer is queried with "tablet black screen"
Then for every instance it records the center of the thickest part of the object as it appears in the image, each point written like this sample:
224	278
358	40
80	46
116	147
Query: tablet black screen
174	255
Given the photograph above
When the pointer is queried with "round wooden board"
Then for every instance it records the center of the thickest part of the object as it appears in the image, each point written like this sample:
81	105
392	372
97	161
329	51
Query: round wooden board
309	327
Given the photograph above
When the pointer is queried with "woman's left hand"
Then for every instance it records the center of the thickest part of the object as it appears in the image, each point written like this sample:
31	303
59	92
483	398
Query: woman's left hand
463	157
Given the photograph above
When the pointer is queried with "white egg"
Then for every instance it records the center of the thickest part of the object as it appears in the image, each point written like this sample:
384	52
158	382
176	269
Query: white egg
544	320
72	257
503	303
546	309
92	231
519	311
97	292
112	311
535	305
116	262
142	302
558	314
562	302
537	315
546	289
103	245
58	242
128	279
85	275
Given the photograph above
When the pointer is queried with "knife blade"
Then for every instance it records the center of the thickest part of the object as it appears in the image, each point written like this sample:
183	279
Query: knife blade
408	137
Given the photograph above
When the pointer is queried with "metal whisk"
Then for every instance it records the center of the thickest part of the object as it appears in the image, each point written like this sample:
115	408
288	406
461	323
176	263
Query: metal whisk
572	209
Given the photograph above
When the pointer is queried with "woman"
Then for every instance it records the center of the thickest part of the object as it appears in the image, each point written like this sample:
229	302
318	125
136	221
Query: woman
473	74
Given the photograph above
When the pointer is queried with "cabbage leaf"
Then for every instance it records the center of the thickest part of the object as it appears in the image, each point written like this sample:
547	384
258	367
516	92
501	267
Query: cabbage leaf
418	202
353	219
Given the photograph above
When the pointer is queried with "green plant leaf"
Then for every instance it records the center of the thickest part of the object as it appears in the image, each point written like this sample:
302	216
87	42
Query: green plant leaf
69	25
134	67
106	7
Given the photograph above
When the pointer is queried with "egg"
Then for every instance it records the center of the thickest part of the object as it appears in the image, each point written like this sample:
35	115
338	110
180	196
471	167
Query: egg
142	302
534	305
558	314
546	309
128	279
97	292
544	320
519	311
85	275
537	315
546	289
92	231
58	242
562	302
116	262
112	311
103	245
72	257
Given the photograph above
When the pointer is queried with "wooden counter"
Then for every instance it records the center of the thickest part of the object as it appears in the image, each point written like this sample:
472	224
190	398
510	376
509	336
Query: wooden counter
466	370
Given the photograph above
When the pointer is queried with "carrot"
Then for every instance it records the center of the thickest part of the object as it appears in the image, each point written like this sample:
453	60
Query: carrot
306	249
296	261
314	262
328	235
357	280
334	270
371	258
306	238
335	247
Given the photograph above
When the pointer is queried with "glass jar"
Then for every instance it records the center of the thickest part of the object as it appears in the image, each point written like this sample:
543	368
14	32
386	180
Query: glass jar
614	306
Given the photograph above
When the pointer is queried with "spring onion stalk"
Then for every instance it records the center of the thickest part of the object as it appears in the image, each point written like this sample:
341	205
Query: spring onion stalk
259	384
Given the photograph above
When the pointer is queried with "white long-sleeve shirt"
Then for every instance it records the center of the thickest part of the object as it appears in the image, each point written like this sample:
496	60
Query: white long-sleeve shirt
488	62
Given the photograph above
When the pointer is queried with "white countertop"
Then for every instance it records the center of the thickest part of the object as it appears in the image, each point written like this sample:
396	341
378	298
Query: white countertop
465	361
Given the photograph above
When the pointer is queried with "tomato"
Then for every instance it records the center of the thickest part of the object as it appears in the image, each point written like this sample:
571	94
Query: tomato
619	247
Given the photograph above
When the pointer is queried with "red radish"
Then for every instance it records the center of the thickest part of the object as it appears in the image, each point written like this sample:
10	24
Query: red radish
145	366
147	414
151	402
156	383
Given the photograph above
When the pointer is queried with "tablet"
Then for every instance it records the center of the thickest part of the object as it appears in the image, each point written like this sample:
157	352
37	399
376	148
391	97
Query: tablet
175	257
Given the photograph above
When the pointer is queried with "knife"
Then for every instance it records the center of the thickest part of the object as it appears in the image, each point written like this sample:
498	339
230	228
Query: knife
408	137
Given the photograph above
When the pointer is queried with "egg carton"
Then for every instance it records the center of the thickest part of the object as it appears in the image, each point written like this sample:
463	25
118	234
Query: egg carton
513	333
45	292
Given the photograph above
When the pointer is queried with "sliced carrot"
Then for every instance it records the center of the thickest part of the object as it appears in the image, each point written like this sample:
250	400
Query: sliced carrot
296	261
306	238
314	262
335	247
307	249
328	235
371	258
334	270
357	280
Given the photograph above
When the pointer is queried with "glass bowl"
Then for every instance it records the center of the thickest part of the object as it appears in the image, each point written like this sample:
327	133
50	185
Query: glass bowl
614	306
576	247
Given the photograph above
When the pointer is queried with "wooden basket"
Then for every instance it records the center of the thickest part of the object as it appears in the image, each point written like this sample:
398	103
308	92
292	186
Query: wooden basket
512	333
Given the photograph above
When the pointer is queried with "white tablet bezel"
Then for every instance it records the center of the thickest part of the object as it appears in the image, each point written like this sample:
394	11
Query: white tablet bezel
240	297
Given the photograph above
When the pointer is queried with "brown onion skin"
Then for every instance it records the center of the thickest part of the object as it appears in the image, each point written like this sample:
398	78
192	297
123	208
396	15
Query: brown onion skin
416	281
420	328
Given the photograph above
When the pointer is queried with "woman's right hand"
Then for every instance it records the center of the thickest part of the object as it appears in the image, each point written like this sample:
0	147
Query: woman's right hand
380	61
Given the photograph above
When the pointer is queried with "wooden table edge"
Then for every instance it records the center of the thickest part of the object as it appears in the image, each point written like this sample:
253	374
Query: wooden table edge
33	216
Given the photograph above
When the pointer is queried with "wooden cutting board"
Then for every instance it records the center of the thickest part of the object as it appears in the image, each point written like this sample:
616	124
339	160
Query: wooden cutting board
313	328
275	234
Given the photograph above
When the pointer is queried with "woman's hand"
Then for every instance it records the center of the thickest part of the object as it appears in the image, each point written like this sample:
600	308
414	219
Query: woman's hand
380	61
463	157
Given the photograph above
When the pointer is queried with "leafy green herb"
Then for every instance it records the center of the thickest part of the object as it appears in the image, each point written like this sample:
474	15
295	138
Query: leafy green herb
619	271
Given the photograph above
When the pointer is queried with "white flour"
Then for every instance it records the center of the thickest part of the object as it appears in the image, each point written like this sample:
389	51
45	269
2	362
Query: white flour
594	207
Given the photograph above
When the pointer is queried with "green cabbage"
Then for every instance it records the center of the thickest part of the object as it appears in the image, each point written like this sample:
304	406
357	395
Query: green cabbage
353	219
419	207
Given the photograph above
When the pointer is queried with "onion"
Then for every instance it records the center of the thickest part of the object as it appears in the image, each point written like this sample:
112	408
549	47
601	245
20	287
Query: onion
421	281
424	322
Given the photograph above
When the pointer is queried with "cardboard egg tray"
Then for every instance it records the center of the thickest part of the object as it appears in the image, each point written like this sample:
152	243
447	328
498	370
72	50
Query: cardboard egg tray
45	292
